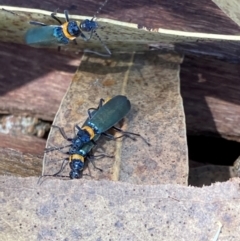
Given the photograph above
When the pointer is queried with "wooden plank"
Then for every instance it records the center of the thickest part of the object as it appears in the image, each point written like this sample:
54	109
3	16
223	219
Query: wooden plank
21	155
210	90
17	163
124	36
151	83
22	92
34	81
193	16
23	143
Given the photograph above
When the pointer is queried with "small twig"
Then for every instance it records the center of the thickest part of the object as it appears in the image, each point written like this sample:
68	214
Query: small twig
218	232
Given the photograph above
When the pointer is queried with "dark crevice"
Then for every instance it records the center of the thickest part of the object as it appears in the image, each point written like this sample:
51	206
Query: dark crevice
211	159
212	150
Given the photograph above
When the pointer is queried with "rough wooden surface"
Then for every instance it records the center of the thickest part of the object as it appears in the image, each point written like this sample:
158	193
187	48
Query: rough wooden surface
23	143
122	36
230	8
151	83
18	163
21	154
214	90
100	210
34	81
197	16
211	90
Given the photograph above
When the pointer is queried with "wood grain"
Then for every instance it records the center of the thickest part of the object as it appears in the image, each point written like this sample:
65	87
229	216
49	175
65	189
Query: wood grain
186	15
17	163
34	81
210	90
143	31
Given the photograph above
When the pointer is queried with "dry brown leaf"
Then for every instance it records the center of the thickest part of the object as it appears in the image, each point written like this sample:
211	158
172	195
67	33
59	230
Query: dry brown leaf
151	82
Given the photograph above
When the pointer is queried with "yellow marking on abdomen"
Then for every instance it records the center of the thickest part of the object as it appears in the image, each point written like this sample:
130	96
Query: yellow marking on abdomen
89	130
76	157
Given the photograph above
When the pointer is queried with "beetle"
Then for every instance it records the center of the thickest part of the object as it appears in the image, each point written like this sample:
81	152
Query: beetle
99	122
78	159
102	119
78	156
62	34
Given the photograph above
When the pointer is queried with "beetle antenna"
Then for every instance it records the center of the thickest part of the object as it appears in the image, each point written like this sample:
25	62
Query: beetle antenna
56	174
103	44
98	11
